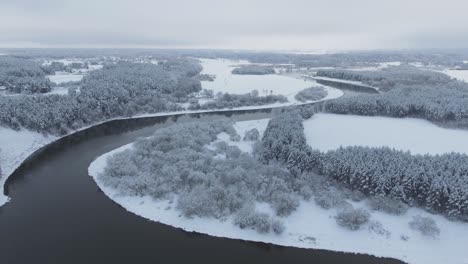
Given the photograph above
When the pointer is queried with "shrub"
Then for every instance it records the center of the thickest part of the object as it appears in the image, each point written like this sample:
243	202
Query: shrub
329	198
352	219
311	94
284	203
252	135
247	217
387	205
277	227
377	227
427	226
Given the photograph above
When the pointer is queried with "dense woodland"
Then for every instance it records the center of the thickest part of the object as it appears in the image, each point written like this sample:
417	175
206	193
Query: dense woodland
227	100
22	76
206	178
121	89
391	77
438	183
445	104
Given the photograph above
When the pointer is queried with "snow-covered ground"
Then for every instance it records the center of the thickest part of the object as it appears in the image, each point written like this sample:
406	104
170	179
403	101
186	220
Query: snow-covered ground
461	75
379	67
227	82
15	147
241	128
330	131
310	226
63	77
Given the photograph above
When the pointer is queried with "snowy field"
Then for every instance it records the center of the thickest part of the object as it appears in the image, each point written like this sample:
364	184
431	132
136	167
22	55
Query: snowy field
330	131
310	226
380	66
63	77
461	75
227	82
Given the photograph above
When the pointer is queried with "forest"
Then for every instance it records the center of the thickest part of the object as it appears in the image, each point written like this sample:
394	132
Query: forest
22	76
443	104
388	78
205	178
117	90
437	183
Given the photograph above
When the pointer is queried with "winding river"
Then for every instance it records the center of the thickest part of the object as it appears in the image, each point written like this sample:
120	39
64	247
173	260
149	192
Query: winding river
57	214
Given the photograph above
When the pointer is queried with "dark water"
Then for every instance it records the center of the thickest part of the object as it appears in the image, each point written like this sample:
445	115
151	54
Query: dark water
57	214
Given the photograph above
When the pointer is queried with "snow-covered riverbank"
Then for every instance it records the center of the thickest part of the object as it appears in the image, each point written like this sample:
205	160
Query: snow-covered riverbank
310	226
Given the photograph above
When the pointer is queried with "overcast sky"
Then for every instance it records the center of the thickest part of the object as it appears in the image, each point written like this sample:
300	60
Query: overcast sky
238	24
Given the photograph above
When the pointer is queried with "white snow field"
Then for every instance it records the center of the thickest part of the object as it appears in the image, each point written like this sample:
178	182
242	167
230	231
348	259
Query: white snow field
310	226
461	75
380	66
63	77
227	82
330	131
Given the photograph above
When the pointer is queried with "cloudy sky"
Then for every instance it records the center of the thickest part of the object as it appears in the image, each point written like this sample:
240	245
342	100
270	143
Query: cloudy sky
238	24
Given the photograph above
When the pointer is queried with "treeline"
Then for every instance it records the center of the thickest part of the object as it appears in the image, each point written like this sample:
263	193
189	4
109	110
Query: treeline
57	66
227	100
123	89
388	78
254	70
311	94
437	183
22	76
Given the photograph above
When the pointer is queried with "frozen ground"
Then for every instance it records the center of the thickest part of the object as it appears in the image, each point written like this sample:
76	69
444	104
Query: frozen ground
311	226
225	81
330	131
63	77
461	75
379	67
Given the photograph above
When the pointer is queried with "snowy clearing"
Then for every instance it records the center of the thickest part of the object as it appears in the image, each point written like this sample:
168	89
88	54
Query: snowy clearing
241	128
63	77
461	75
227	82
380	66
330	131
311	226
